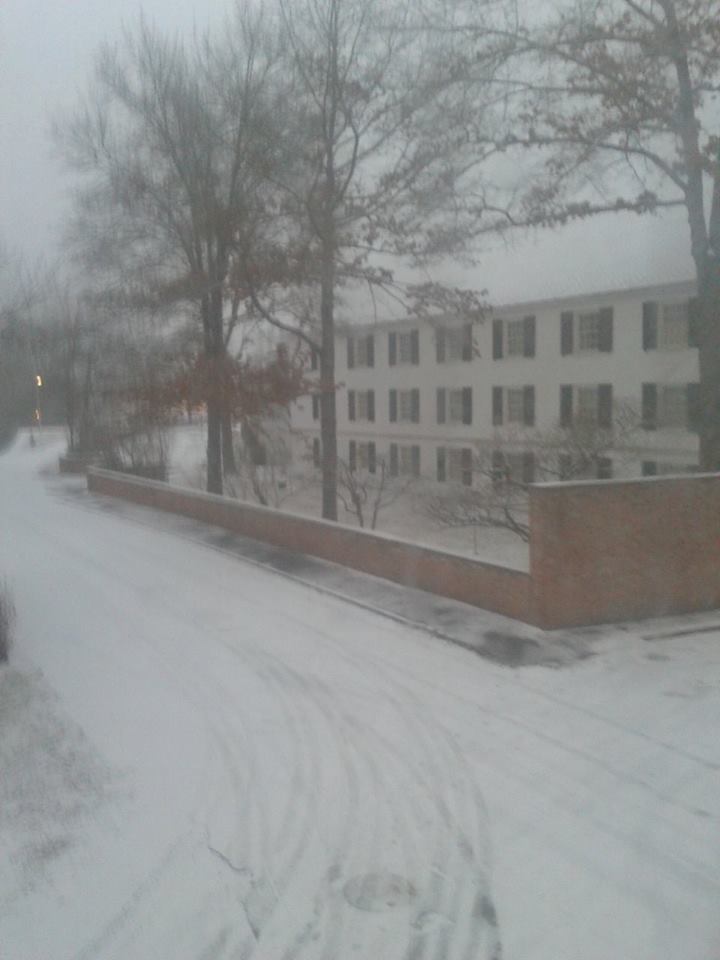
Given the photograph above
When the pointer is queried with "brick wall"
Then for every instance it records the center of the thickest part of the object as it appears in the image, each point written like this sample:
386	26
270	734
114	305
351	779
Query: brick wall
599	551
484	585
624	549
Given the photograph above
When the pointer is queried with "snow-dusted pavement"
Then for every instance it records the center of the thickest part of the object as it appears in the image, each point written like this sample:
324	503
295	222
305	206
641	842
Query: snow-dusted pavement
232	765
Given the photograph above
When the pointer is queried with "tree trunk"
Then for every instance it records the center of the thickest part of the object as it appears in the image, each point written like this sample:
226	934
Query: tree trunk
214	349
214	447
328	412
708	339
228	451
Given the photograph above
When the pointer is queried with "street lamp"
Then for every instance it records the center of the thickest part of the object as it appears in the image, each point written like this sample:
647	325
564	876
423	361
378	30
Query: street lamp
38	385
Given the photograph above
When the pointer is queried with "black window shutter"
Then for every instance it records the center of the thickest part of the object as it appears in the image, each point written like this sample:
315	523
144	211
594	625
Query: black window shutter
565	466
441	475
371	406
566	332
467	350
316	452
497	406
415	347
440	345
316	407
393	406
497	339
313	360
649	468
529	337
605	394
693	407
372	458
392	349
351	404
529	406
650	325
441	405
528	467
693	321
606	329
393	460
566	406
467	405
466	466
604	468
350	353
352	455
415	454
649	405
498	466
415	404
371	350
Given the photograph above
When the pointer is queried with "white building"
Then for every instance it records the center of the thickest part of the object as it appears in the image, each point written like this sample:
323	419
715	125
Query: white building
428	395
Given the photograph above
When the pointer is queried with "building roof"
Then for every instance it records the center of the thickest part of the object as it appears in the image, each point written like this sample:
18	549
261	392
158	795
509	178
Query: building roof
584	260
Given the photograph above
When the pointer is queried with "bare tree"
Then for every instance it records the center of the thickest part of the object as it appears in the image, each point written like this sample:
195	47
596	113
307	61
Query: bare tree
617	101
170	143
494	492
381	152
365	493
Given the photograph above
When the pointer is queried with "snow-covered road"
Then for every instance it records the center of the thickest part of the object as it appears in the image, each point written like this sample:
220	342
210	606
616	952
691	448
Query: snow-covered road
287	775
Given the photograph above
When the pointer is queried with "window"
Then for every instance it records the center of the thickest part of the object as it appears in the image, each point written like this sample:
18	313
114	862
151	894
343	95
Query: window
674	406
409	456
513	405
316	406
454	343
588	404
409	406
361	405
565	466
406	353
604	468
675	325
459	464
404	406
670	326
404	460
513	467
588	332
515	341
454	405
514	337
404	347
316	455
361	456
361	351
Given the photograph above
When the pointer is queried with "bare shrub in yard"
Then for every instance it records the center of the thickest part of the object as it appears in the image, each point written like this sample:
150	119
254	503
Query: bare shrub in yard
7	620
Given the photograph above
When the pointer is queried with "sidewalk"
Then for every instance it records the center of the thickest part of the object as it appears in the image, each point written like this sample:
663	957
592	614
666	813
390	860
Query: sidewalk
497	638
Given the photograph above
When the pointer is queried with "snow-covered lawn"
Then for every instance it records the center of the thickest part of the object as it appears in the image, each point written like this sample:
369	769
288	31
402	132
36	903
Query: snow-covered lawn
244	767
405	518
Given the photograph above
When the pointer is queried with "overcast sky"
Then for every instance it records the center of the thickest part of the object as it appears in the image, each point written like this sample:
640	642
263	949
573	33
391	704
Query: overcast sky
47	48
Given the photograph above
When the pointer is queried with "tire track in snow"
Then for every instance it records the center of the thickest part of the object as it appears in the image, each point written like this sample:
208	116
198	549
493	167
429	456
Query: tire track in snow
397	758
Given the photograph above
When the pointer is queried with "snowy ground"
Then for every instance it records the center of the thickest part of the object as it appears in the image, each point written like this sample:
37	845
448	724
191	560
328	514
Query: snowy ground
405	518
203	759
